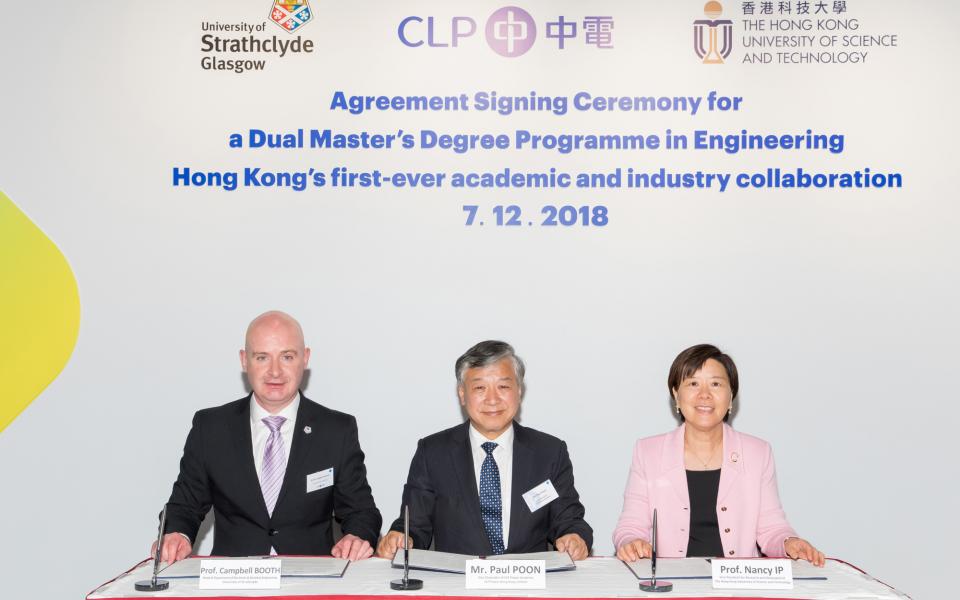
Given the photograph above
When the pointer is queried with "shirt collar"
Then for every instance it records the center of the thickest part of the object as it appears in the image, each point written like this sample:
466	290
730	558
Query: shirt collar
504	440
257	412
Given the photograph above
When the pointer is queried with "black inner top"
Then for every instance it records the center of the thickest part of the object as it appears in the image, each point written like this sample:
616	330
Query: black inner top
704	529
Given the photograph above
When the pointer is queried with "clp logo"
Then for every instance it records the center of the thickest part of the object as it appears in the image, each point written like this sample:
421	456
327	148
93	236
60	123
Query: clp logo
510	31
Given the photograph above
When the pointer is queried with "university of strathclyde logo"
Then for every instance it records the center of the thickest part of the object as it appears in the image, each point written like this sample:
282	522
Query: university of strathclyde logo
713	50
291	14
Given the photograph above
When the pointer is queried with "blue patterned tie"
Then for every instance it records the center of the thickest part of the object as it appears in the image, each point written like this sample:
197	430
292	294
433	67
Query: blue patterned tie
491	507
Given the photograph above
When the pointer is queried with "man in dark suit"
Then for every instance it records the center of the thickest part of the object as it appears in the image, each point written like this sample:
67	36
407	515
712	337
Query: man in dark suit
275	466
491	486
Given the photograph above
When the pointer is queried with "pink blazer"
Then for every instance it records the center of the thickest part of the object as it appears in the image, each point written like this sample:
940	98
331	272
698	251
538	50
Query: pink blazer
748	504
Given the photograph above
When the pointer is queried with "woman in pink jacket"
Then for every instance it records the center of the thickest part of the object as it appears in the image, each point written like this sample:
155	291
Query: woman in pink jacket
715	489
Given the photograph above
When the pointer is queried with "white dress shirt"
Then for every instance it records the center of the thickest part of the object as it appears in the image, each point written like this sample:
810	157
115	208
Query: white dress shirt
503	456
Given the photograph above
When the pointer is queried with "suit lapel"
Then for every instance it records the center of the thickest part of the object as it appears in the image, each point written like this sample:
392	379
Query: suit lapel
298	448
240	430
461	454
732	465
523	474
672	466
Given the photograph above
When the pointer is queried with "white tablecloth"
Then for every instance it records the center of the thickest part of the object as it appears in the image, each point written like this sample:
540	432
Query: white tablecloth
594	578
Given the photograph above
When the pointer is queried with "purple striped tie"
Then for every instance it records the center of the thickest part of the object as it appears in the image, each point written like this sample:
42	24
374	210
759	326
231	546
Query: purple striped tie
274	463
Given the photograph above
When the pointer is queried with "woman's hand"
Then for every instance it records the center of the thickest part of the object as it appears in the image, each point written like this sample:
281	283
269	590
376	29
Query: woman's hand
800	548
634	550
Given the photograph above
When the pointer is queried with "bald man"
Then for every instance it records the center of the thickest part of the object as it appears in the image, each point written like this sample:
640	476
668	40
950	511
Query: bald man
275	466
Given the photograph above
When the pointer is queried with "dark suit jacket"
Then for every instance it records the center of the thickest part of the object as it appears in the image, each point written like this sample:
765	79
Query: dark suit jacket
441	492
217	469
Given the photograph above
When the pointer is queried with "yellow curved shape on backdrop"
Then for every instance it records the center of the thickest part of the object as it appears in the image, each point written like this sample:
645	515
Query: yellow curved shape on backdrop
39	311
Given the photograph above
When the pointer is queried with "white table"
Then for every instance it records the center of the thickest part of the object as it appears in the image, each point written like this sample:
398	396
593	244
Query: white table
598	577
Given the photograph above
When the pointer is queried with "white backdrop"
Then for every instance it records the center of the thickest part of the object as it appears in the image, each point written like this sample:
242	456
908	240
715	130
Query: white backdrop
838	305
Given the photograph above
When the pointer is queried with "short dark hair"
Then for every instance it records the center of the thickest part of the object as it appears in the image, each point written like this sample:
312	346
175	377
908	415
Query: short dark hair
487	353
691	360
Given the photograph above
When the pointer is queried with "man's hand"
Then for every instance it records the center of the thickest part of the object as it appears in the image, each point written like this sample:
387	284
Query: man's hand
799	548
352	548
176	547
390	543
573	545
634	550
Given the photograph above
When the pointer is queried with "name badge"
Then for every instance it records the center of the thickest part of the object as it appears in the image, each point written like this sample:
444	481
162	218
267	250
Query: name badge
540	496
241	574
506	575
752	574
319	480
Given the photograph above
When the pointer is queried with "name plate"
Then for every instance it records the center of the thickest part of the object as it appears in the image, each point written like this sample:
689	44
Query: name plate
240	574
506	575
752	574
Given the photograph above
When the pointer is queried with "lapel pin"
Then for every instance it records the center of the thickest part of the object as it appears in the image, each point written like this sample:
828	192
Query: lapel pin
734	456
307	430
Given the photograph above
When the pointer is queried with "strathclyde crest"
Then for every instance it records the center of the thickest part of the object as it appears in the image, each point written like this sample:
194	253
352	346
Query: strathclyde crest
291	14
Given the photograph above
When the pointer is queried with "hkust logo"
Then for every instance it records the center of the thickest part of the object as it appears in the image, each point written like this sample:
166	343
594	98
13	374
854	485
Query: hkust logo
712	37
291	15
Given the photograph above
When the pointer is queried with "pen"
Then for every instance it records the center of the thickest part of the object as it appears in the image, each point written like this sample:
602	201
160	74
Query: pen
653	551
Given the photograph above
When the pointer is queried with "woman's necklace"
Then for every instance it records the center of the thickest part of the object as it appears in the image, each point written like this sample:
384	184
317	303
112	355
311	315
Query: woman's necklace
705	463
